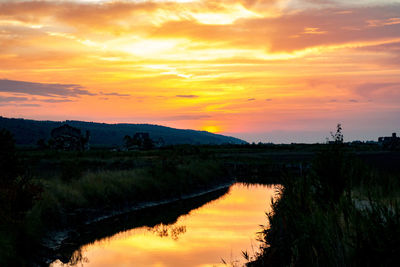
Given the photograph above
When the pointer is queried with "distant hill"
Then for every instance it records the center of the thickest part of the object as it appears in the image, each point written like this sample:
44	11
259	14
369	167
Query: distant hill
28	132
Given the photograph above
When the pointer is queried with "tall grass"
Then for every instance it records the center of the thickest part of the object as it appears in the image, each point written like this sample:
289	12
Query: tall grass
318	221
68	201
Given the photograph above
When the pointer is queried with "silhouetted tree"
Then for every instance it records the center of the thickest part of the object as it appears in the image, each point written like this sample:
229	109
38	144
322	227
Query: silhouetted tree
330	168
8	158
145	140
338	136
67	137
139	140
17	192
128	141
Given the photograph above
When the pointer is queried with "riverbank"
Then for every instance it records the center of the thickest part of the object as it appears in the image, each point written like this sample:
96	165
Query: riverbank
65	205
63	245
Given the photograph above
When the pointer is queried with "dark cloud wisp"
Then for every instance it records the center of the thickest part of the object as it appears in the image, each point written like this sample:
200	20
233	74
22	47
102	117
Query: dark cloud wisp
115	94
12	99
187	96
43	89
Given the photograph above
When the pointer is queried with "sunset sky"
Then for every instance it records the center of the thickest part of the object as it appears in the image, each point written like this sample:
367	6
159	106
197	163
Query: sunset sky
261	70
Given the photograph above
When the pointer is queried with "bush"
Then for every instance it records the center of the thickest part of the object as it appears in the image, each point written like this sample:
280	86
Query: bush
8	159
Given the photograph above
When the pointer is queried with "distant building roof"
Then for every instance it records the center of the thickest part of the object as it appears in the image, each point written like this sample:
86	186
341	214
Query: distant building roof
390	142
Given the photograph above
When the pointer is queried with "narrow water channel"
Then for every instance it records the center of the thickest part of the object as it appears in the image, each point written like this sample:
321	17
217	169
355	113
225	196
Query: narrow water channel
206	236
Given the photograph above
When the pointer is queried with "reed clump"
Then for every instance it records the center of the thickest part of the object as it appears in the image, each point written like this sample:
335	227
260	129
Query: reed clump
335	215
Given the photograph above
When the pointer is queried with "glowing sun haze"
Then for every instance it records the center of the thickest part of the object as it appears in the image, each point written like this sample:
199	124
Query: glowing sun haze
262	70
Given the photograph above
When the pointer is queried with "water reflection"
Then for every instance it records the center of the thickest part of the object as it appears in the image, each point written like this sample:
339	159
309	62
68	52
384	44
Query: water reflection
148	218
172	231
77	258
221	229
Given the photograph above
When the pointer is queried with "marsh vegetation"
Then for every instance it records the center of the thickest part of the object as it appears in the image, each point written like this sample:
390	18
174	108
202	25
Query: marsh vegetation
342	212
338	201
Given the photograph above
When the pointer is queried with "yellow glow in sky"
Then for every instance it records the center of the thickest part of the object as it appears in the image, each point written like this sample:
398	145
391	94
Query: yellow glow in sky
211	129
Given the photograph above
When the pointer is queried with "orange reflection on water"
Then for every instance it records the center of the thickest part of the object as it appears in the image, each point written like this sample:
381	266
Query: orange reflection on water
221	229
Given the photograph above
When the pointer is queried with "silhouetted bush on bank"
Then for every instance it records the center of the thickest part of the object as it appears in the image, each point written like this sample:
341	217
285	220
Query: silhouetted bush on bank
8	159
18	194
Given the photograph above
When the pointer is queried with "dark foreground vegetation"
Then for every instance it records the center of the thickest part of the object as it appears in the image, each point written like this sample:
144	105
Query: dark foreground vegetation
341	212
332	209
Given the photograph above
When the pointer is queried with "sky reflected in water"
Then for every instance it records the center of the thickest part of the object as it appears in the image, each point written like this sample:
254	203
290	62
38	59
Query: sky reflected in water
221	229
